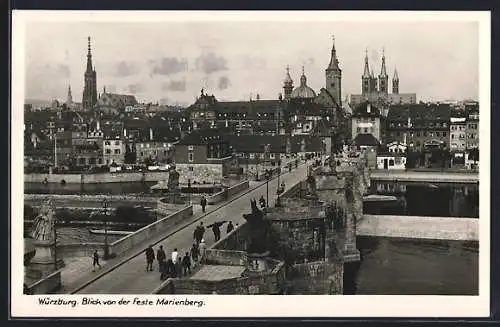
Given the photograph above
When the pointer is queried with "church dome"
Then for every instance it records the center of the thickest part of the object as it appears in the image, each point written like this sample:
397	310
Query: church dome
303	91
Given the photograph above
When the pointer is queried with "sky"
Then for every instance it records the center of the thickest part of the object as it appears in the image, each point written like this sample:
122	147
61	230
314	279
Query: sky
170	61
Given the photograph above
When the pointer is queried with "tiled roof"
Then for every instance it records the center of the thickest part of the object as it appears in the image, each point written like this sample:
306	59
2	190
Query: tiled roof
205	136
277	143
419	112
366	109
365	139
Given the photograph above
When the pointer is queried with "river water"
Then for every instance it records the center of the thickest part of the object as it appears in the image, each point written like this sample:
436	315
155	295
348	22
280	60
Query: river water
392	266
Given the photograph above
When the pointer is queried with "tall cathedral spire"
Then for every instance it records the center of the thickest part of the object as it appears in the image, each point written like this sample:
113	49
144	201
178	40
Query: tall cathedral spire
89	57
383	71
334	62
89	98
366	72
287	84
383	78
333	75
69	99
395	82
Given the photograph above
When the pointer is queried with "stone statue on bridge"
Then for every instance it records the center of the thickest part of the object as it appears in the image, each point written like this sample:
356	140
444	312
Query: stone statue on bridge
258	229
44	223
173	180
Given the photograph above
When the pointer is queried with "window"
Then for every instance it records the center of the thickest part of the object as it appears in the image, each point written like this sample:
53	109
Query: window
366	130
391	162
452	136
190	157
108	151
142	145
191	168
252	156
107	143
81	161
444	134
92	161
165	152
117	151
271	156
99	161
358	129
190	148
142	154
117	142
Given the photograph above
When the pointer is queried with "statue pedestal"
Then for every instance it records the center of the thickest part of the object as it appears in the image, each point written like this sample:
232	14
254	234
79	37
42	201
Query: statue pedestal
256	262
44	259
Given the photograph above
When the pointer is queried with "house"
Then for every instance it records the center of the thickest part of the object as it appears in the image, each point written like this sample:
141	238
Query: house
203	156
393	157
365	120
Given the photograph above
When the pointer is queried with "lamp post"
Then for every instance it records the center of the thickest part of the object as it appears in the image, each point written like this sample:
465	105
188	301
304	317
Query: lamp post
278	187
106	245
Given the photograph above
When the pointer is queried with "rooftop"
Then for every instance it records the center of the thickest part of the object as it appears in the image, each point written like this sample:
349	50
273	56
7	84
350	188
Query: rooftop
218	272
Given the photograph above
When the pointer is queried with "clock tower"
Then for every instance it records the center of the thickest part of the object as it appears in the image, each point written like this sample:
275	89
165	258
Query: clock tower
333	76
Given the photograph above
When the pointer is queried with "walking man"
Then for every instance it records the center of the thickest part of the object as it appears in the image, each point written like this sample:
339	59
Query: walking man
202	248
199	232
161	257
96	260
150	257
203	203
194	253
262	201
230	227
216	229
186	264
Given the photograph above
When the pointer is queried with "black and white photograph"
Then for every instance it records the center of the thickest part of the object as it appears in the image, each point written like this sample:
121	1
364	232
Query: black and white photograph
173	157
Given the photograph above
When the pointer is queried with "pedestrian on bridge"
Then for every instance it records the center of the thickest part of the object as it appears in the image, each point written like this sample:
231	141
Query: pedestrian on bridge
96	260
203	204
216	228
199	232
161	257
186	265
150	257
195	251
230	227
202	248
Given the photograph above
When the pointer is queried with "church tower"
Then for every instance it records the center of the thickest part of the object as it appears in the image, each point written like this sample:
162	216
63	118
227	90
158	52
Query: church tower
365	79
383	78
333	76
287	84
69	99
395	82
89	98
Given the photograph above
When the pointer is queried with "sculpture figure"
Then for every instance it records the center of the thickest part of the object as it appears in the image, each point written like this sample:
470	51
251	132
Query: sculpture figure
43	224
257	229
173	180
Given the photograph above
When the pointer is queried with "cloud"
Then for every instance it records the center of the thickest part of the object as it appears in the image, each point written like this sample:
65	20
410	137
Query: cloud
252	63
57	70
177	86
135	88
224	83
168	66
210	63
124	69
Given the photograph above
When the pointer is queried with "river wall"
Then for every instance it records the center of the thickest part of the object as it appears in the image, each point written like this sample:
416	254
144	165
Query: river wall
97	178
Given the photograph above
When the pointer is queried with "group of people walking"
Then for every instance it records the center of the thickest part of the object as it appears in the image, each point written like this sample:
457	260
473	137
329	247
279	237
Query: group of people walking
177	265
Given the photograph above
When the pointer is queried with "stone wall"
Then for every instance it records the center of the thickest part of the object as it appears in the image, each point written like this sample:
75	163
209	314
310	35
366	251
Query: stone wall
46	285
225	257
316	278
270	283
75	250
97	178
199	173
228	193
150	231
236	240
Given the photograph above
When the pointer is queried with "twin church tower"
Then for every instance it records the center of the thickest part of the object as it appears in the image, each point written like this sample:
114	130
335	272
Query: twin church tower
374	89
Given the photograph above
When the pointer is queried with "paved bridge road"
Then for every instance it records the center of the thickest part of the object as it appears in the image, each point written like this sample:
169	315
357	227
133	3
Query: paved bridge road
132	278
